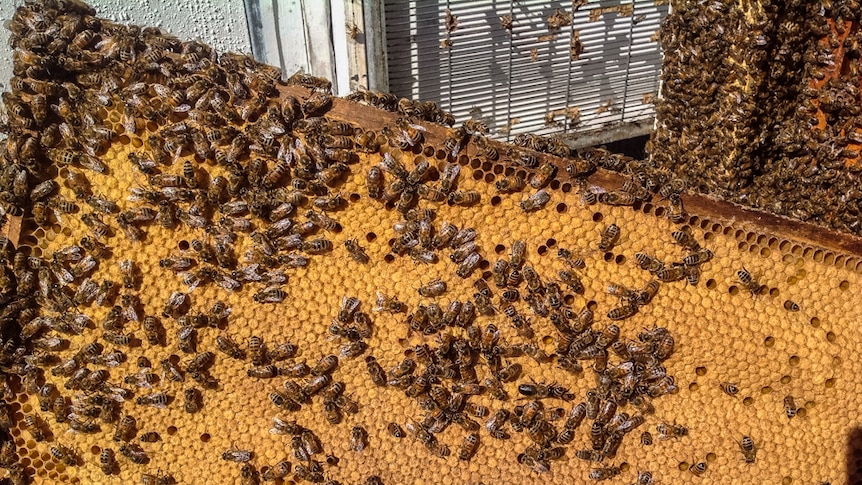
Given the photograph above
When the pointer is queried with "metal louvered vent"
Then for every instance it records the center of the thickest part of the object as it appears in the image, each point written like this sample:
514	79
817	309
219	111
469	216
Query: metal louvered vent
597	72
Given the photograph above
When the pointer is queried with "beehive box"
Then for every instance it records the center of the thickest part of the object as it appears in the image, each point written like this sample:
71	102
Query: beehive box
723	333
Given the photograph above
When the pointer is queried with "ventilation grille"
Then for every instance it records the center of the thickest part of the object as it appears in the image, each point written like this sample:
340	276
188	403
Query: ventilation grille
524	80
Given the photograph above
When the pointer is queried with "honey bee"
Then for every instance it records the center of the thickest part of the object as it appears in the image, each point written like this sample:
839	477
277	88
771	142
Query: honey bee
316	103
468	447
464	198
158	479
158	400
366	141
572	280
648	263
523	158
187	339
676	211
313	472
698	468
590	455
538	466
487	149
173	372
281	427
256	350
331	412
543	176
192	400
535	201
237	455
748	448
349	305
279	470
43	190
134	453
353	349
668	431
358	439
500	273
107	461
272	294
729	388
90	162
296	370
102	204
389	304
347	405
617	198
150	437
449	177
99	229
748	281
433	289
326	365
117	338
685	238
463	236
670	274
609	237
375	370
65	455
15	473
35	427
326	223
698	257
791	306
465	269
790	408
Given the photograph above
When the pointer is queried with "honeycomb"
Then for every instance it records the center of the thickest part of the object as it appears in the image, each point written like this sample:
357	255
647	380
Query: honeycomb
758	340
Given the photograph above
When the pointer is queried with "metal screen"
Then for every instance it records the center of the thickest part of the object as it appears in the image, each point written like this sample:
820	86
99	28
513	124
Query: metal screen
525	80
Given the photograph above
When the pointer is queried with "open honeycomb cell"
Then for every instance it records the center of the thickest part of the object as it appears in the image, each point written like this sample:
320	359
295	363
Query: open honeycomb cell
726	330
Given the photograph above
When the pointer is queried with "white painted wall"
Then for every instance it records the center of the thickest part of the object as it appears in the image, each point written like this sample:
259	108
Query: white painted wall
219	23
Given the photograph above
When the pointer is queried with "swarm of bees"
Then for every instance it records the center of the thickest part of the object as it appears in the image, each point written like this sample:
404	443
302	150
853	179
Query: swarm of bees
444	376
809	92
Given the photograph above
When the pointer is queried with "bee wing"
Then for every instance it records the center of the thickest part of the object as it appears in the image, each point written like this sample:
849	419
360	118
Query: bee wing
380	302
456	150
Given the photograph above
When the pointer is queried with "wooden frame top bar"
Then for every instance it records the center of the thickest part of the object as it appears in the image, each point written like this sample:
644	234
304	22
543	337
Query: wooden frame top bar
704	206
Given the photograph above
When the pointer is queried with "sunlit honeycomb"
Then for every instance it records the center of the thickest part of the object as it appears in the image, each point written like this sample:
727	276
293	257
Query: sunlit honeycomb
723	333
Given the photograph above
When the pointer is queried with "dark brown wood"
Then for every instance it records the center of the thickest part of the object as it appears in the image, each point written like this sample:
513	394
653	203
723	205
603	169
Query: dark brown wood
702	206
